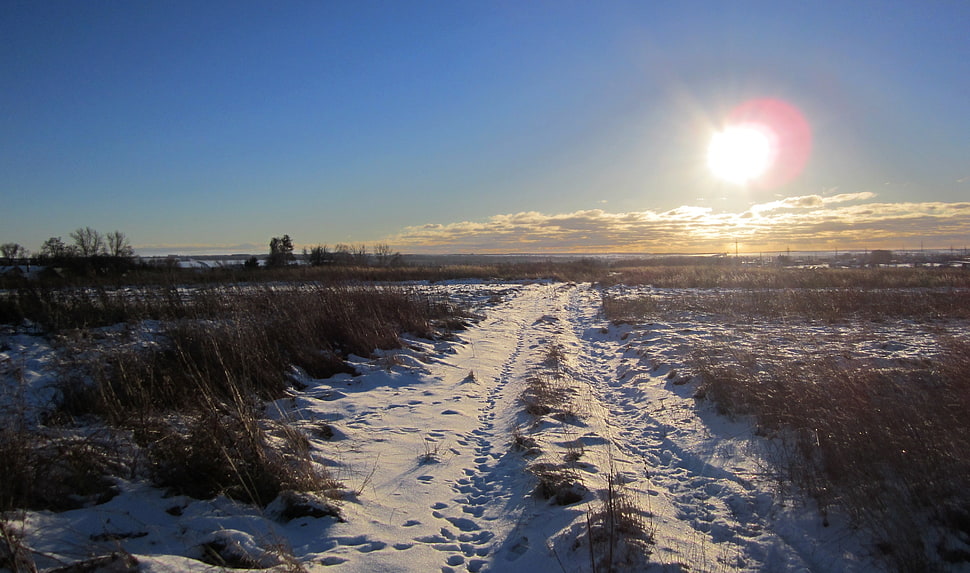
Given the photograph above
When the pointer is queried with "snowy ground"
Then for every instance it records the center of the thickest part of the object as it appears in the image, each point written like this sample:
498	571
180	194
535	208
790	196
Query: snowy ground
423	442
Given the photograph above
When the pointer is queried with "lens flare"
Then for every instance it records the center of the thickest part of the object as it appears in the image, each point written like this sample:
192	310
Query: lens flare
764	143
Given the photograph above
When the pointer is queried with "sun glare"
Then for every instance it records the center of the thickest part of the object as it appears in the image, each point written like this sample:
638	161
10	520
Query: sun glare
763	143
740	154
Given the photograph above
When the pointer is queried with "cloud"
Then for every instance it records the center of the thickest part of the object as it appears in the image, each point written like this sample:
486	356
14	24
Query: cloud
810	222
810	201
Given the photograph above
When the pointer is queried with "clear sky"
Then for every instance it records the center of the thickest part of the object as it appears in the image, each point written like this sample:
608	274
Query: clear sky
507	126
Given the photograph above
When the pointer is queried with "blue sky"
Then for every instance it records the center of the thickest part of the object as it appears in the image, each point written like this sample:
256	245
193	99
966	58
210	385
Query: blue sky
478	126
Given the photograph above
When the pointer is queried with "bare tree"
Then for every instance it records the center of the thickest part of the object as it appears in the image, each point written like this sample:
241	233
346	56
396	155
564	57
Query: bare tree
12	251
89	242
341	254
118	245
382	252
55	248
358	254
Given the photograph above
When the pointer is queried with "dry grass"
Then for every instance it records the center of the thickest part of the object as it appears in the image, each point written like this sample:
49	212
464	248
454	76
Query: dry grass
48	470
230	342
524	443
231	453
14	554
560	483
831	305
548	395
890	446
733	276
620	532
184	406
886	442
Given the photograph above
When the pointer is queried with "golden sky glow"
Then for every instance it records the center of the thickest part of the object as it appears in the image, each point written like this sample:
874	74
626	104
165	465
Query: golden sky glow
812	222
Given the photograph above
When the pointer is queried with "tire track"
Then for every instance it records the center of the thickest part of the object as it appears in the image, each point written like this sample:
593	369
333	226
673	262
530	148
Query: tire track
712	500
467	537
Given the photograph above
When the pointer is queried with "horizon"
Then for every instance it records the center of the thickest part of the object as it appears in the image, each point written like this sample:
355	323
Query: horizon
957	251
437	128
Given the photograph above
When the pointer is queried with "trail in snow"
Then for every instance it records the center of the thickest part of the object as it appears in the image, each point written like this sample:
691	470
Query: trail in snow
476	497
422	441
703	473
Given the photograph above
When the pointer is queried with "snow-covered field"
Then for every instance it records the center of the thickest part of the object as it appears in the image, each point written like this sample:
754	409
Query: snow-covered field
439	457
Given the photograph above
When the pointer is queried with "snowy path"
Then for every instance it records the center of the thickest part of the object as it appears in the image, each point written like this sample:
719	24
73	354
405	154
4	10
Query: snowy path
472	508
422	440
445	478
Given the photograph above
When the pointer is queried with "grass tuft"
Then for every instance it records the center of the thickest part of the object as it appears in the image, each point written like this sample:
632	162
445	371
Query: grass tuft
558	483
619	533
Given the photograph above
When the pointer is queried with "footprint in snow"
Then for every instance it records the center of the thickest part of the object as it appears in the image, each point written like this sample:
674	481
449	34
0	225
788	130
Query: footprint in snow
463	523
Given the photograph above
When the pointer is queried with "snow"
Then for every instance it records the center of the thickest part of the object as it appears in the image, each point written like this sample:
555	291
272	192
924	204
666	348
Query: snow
422	441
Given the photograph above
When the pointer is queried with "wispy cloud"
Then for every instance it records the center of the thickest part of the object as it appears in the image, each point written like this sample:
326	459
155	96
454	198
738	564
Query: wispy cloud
810	222
811	201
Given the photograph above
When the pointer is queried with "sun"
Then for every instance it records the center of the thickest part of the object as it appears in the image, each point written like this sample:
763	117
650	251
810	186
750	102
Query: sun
741	153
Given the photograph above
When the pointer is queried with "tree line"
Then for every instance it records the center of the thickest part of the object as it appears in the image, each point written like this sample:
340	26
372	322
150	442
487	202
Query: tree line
85	243
281	254
88	250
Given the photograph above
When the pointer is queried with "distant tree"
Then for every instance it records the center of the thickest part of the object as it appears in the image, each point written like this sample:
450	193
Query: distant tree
89	242
358	254
117	245
355	254
382	252
55	248
280	251
12	251
385	257
318	255
251	263
341	254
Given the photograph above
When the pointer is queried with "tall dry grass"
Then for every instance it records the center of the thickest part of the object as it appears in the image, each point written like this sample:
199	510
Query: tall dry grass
886	442
830	304
620	532
888	445
744	277
181	399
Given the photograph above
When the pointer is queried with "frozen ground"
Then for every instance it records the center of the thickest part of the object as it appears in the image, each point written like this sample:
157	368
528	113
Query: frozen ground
423	441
